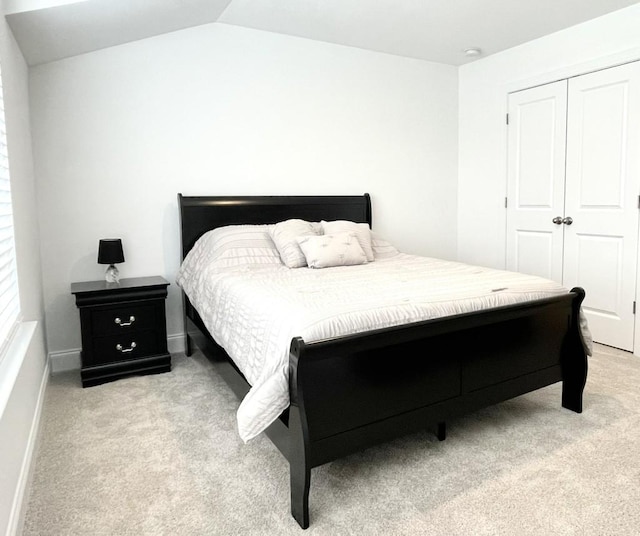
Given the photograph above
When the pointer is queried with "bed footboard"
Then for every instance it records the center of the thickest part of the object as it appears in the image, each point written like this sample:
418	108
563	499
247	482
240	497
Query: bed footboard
353	392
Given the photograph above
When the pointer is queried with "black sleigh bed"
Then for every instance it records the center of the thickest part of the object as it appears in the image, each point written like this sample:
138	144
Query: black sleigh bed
352	392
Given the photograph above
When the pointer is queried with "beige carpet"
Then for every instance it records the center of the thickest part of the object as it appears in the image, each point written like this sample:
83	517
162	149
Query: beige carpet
157	455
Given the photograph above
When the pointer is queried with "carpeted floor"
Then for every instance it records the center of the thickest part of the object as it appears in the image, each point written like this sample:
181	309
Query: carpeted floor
156	455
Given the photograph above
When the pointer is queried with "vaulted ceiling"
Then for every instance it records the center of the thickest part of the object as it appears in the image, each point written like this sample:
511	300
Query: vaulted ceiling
433	30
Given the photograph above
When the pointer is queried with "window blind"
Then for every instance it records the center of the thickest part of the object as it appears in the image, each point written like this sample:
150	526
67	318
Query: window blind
9	297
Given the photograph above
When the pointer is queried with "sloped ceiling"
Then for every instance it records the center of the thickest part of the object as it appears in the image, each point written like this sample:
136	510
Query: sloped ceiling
433	30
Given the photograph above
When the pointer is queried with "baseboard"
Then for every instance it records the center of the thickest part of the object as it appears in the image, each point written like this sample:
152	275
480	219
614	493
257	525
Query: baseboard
70	359
18	509
175	343
65	360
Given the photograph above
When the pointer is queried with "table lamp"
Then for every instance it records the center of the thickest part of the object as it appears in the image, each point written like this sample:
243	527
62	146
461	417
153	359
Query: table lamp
110	252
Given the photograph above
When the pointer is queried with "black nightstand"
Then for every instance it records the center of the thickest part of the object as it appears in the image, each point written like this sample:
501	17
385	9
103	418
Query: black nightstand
124	329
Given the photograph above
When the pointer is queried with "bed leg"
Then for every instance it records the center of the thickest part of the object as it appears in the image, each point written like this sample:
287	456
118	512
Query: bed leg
188	345
300	481
441	432
573	384
299	469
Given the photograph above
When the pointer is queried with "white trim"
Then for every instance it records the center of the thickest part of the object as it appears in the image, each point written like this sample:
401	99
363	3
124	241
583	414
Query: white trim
13	359
18	509
175	343
70	359
597	64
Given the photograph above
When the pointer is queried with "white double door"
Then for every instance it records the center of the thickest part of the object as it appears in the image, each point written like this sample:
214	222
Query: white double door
573	192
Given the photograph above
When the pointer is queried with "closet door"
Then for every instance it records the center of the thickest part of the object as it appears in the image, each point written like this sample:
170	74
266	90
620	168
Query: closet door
602	186
535	189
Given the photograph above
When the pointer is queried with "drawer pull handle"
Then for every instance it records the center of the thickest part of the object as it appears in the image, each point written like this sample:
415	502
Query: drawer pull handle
125	350
122	324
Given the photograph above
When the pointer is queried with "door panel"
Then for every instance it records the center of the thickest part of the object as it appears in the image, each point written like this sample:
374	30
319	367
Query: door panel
602	185
600	154
535	190
600	268
534	252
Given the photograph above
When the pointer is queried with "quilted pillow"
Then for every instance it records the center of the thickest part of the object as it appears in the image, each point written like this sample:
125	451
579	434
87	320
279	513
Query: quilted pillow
338	249
360	230
382	249
235	245
284	235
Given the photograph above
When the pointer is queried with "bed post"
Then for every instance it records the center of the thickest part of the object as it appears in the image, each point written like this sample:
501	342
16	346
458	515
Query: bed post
574	361
299	460
188	348
367	208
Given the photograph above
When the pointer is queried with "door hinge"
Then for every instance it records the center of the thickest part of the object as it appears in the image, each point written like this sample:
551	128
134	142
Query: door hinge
506	202
639	201
507	119
634	308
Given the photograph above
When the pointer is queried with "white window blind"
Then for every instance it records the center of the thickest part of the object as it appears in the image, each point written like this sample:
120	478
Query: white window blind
9	298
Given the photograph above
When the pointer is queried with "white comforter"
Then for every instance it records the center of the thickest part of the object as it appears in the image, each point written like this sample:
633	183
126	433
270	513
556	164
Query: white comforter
253	312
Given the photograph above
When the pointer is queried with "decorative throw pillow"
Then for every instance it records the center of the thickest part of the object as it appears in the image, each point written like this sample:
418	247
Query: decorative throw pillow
284	236
360	230
338	249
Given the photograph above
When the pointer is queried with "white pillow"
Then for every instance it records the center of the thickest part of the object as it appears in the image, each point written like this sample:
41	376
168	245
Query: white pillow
284	236
234	245
360	230
382	249
338	249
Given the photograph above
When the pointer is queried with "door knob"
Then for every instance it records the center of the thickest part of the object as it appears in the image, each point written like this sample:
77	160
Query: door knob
568	220
557	220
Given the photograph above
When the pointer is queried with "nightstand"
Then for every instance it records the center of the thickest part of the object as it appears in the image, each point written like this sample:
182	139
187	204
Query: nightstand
124	329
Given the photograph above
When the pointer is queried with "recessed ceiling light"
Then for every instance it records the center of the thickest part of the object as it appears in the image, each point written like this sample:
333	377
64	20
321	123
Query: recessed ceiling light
472	52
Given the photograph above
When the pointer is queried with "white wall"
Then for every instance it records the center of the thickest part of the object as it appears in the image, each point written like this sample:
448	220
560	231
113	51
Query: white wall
220	110
23	371
483	88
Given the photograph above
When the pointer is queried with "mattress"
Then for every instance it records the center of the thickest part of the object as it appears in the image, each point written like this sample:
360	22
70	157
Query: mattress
253	311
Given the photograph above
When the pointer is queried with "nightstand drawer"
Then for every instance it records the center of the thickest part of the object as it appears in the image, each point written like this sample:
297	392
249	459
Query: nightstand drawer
125	346
123	319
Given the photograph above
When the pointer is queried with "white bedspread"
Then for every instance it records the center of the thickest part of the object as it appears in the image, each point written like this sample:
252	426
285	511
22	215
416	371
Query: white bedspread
253	312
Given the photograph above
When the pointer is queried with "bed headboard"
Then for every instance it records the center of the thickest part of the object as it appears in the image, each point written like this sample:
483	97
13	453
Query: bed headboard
199	214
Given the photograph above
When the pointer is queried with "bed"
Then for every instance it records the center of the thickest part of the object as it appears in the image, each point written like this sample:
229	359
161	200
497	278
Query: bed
352	391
